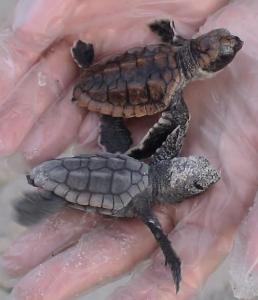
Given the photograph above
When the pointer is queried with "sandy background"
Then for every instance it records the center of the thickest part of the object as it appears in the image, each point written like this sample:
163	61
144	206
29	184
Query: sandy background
11	185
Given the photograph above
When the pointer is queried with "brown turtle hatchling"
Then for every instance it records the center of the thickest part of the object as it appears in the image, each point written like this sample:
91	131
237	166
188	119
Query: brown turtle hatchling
147	80
120	186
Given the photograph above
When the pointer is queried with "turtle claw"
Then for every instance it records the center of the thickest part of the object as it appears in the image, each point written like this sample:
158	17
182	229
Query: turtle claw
173	262
175	266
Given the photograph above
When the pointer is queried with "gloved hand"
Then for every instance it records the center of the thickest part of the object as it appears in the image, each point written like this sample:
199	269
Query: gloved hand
90	249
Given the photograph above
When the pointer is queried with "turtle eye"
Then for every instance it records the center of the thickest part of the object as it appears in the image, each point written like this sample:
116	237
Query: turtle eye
198	186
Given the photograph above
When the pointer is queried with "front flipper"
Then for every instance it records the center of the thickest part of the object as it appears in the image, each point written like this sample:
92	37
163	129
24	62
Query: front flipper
176	115
172	145
166	31
143	210
114	136
83	54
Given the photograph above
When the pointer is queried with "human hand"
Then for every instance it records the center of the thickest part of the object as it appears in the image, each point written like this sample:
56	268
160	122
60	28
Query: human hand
206	224
38	70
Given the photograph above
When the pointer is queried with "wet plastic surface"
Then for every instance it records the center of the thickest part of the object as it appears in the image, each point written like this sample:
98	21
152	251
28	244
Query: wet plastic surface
228	102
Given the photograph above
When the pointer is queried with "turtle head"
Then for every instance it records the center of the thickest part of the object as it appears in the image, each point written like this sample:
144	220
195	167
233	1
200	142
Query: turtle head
215	50
190	176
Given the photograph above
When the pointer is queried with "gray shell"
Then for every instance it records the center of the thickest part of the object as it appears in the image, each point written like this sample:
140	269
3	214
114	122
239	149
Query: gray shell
103	181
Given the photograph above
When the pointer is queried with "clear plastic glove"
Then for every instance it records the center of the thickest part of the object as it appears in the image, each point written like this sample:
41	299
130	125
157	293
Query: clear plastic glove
244	275
38	71
89	249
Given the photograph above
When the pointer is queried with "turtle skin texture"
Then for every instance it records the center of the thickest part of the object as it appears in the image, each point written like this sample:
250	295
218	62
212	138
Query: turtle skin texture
101	182
121	186
136	83
147	80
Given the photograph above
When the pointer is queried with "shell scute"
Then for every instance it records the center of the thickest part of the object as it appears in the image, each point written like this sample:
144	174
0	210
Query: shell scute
116	163
84	198
161	61
98	81
97	200
108	201
134	190
128	70
125	198
96	163
129	85
117	95
135	51
133	164
136	177
121	181
61	190
107	181
100	181
71	163
78	179
72	196
58	174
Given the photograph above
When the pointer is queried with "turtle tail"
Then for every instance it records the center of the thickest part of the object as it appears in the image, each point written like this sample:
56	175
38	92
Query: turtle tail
35	206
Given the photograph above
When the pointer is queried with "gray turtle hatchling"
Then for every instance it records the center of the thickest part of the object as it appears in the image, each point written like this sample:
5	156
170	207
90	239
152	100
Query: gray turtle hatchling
147	80
120	186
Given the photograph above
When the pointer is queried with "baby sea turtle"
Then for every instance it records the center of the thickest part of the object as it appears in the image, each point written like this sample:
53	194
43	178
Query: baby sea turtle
145	81
120	186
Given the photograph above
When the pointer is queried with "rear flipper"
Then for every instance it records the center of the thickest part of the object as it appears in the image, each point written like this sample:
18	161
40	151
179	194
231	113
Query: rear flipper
37	205
143	210
166	31
83	54
114	136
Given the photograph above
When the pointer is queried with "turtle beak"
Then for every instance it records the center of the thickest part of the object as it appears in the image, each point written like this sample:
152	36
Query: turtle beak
30	180
238	44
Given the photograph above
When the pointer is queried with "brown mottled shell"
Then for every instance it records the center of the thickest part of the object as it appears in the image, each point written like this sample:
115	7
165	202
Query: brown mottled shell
139	82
